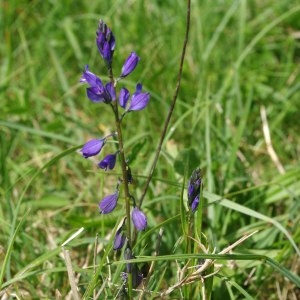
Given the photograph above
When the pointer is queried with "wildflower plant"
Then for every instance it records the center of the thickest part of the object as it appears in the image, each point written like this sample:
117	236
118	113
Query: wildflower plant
121	103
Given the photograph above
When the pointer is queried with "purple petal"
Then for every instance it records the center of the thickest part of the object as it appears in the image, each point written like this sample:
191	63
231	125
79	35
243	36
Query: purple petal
123	97
130	64
102	94
195	203
92	148
139	219
94	94
139	101
108	162
90	78
190	190
119	239
138	88
106	52
108	203
194	188
111	91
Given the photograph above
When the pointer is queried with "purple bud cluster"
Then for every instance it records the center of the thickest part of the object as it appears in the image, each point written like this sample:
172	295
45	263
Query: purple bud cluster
105	42
194	187
97	92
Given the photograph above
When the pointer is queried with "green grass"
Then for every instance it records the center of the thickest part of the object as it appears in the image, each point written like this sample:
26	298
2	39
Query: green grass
242	58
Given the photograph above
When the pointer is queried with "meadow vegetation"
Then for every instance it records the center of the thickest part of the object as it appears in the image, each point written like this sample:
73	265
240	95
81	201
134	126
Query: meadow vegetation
237	117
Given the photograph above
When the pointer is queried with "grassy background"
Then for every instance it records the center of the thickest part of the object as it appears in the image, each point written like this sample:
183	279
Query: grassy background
242	58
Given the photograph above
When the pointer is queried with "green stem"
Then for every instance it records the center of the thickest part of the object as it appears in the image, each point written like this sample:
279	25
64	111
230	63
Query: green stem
175	95
114	106
124	173
188	246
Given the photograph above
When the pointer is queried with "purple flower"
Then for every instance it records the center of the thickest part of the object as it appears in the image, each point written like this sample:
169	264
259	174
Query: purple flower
92	147
106	43
108	162
97	92
108	203
130	64
139	100
123	97
194	186
111	90
139	219
120	239
90	78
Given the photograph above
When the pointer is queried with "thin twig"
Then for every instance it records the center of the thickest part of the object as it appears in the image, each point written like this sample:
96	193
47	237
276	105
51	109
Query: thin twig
158	150
95	260
71	276
208	262
267	136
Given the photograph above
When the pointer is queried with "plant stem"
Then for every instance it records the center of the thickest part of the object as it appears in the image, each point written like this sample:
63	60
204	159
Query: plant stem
157	153
124	174
114	106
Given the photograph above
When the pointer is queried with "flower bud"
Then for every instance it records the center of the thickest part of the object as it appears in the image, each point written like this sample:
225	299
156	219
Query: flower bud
106	43
130	64
92	148
109	203
108	162
139	219
120	239
194	186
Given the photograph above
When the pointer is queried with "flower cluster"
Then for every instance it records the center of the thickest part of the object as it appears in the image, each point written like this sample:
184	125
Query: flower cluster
194	186
98	91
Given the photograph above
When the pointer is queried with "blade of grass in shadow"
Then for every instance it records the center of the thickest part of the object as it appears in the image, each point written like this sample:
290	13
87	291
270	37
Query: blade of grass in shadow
239	133
93	281
264	259
238	287
33	273
174	99
8	253
219	30
247	211
14	228
263	32
67	25
62	78
38	132
27	271
158	283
